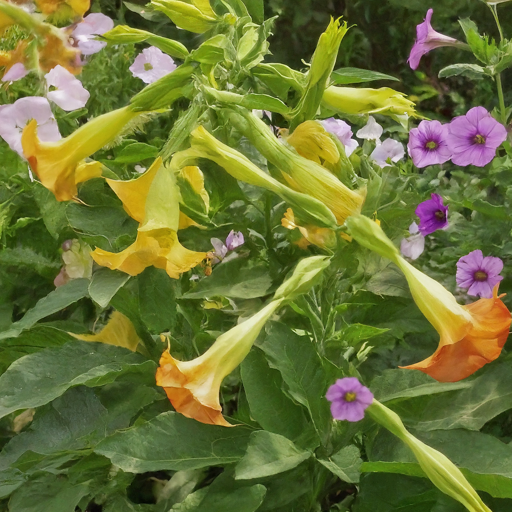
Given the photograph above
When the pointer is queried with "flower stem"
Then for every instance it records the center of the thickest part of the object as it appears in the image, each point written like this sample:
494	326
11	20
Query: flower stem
494	11
495	14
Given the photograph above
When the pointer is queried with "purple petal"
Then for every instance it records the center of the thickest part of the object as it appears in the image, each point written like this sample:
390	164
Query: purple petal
151	65
16	72
93	24
495	133
475	115
70	94
491	265
234	240
90	46
480	289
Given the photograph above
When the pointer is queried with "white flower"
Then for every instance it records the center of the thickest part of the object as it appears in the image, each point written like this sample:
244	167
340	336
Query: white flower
93	25
16	72
371	130
343	131
413	246
68	93
152	64
389	149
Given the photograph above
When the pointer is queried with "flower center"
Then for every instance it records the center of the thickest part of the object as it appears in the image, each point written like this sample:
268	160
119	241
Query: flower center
480	275
148	66
431	144
350	397
479	139
440	215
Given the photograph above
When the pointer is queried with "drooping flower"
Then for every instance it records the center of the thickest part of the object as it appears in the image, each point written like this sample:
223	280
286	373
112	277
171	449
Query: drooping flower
14	118
94	24
433	215
343	131
390	149
349	399
428	144
151	65
371	130
474	138
479	274
427	39
413	246
57	163
152	199
193	387
15	72
470	336
65	90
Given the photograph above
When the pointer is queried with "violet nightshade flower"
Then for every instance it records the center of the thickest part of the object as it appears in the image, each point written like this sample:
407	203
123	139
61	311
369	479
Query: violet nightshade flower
433	215
68	92
349	399
94	24
151	65
479	274
428	144
473	138
343	131
389	149
413	246
427	39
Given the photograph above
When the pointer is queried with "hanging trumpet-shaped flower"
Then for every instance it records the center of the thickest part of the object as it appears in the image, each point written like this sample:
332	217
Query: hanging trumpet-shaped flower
470	336
351	100
441	471
193	386
56	163
153	200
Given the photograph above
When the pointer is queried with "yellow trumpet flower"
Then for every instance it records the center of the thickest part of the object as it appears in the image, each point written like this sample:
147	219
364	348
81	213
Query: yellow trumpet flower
153	200
193	387
57	164
470	336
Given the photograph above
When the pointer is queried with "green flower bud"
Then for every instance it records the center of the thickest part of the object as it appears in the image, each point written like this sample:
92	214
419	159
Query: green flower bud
192	15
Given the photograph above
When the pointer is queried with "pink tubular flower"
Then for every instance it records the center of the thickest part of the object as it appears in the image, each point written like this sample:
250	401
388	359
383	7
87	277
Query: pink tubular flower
68	92
473	138
427	39
479	274
428	144
94	24
151	65
349	399
343	131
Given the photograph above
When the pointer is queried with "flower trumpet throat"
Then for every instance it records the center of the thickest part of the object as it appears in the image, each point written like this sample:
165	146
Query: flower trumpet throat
193	387
470	336
56	163
441	471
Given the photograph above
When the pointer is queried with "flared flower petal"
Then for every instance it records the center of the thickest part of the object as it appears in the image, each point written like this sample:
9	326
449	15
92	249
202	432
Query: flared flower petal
66	91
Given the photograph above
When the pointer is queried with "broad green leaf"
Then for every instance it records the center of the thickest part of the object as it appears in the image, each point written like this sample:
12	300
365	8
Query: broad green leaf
61	298
26	257
256	10
489	210
301	368
47	493
471	71
157	301
10	480
345	464
269	454
172	442
388	281
135	153
484	50
36	379
269	406
264	102
355	333
238	278
52	211
345	76
211	51
105	284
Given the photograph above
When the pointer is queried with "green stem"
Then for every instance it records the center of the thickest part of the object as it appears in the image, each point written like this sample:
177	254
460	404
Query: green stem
501	99
494	11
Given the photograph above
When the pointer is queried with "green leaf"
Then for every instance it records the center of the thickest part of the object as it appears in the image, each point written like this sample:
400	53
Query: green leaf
135	153
10	480
238	278
345	76
301	368
264	102
47	493
483	50
26	257
212	50
105	284
269	454
61	298
355	333
471	71
52	211
157	302
36	379
388	281
172	442
487	209
256	10
345	464
180	132
269	406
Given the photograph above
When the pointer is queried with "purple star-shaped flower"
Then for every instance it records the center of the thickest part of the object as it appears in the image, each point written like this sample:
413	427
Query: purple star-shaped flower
427	39
151	65
433	215
473	138
427	144
479	274
349	399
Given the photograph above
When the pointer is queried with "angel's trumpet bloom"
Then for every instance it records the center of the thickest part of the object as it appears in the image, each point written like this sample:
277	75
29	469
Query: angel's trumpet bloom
153	200
56	163
470	336
441	471
193	387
